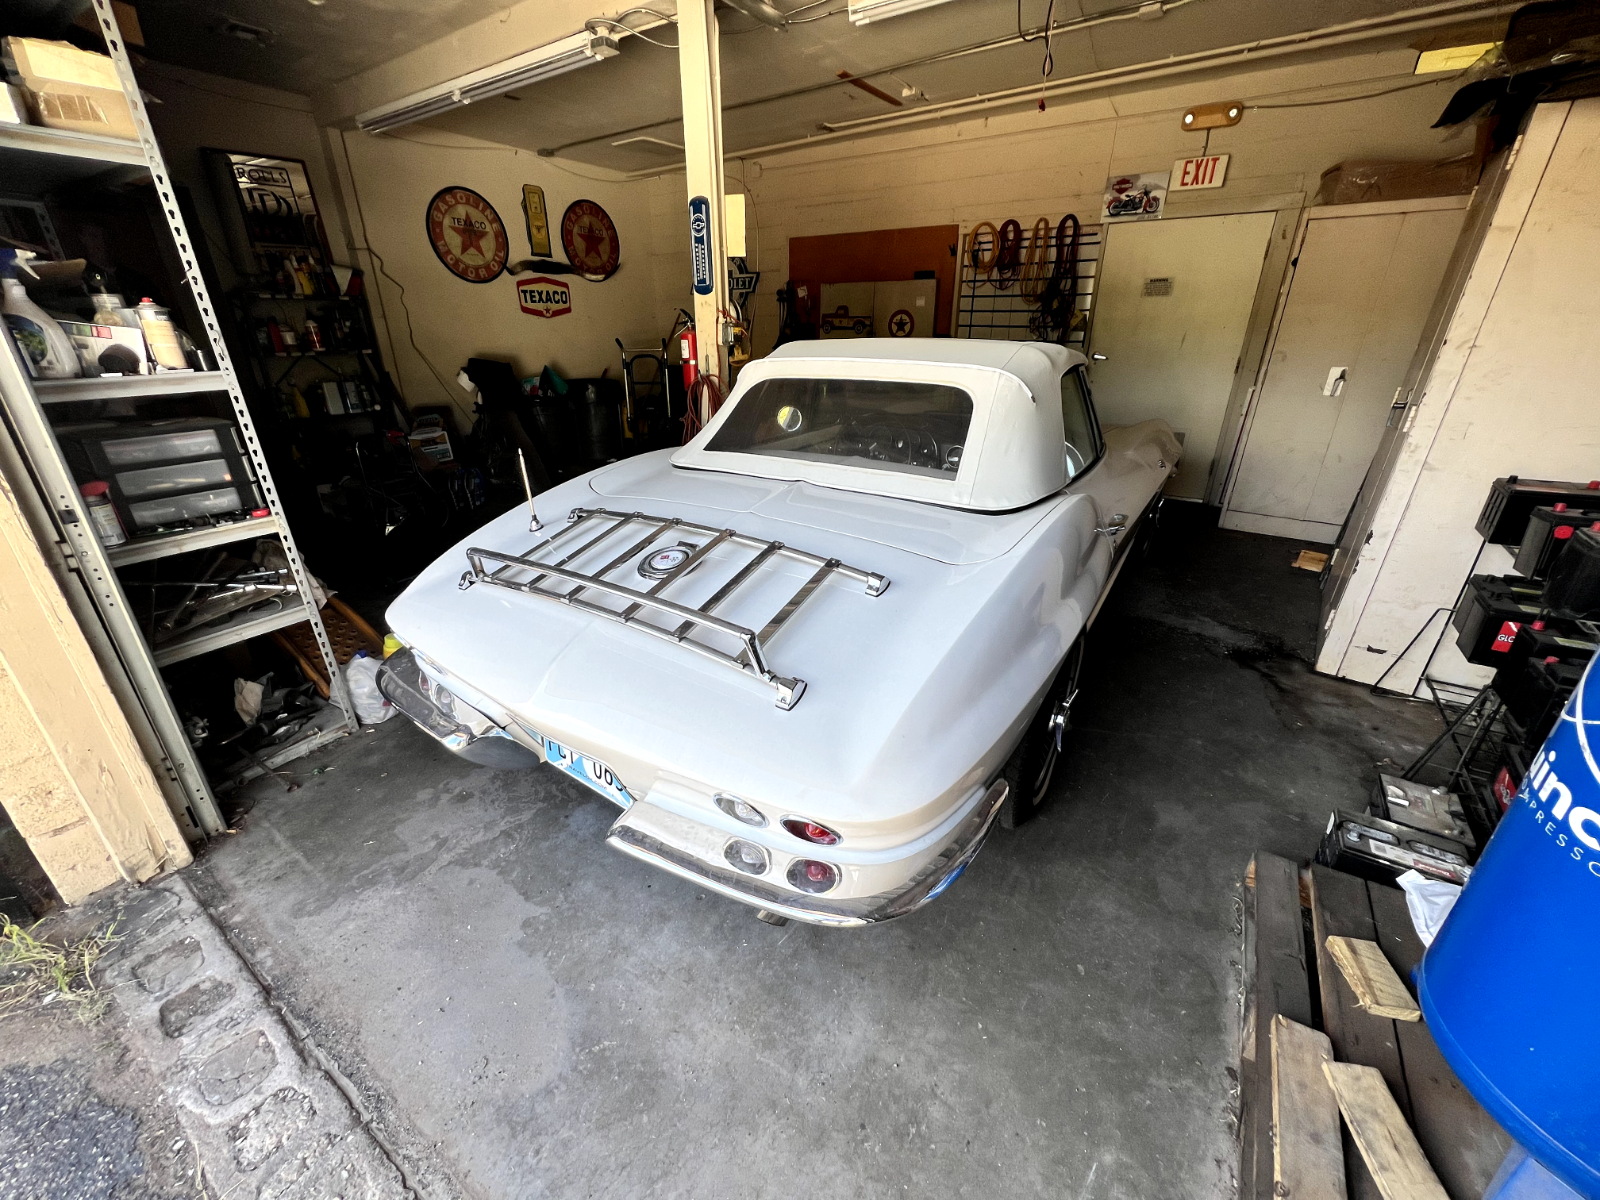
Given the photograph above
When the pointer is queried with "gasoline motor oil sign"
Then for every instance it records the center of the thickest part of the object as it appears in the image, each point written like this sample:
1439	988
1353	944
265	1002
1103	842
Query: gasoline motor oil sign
541	296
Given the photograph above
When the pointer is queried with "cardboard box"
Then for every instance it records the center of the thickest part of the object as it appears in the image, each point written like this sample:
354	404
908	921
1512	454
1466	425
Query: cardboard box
107	349
13	108
434	443
80	109
59	62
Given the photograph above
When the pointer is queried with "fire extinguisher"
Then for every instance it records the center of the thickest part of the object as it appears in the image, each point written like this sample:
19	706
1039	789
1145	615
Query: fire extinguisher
688	351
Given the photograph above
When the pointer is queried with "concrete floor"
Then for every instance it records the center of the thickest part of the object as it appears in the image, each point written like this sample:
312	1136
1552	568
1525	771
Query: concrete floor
528	1013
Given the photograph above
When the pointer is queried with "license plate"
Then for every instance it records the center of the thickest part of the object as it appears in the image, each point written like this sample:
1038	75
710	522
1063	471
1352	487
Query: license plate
587	770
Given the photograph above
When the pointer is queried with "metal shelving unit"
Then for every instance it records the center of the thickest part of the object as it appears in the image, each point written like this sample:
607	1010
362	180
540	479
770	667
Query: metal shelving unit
225	633
126	387
164	545
37	160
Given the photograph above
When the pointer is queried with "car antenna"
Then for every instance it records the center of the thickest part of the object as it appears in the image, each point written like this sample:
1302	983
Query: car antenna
534	525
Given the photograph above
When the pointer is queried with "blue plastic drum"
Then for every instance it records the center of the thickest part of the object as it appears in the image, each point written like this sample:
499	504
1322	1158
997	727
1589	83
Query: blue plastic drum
1511	985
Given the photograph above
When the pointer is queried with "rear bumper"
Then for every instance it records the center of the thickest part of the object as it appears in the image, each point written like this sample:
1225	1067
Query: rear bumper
927	884
467	732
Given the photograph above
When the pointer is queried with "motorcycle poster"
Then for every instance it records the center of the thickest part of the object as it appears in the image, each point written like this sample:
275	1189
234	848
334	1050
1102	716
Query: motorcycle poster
1135	197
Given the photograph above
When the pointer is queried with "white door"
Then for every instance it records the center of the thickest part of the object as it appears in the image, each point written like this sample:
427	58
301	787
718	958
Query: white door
1171	310
1357	304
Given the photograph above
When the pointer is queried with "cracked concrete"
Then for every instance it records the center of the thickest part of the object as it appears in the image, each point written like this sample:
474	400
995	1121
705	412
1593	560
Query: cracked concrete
464	984
526	1013
263	1117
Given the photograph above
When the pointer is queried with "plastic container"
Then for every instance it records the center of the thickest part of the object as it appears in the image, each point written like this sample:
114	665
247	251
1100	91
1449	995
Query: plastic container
161	335
102	513
1509	987
46	350
601	401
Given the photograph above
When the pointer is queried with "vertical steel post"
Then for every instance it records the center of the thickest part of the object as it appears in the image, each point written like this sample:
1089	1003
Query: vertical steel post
700	81
112	33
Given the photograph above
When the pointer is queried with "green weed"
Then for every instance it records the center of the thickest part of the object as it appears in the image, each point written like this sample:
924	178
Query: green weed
35	972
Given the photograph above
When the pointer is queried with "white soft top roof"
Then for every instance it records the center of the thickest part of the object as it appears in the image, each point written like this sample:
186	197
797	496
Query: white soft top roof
1014	455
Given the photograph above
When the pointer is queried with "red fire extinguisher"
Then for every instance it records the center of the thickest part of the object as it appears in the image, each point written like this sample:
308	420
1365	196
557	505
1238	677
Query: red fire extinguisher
691	358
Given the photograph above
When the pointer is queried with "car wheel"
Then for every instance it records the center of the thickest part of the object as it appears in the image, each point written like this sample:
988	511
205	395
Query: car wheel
1032	765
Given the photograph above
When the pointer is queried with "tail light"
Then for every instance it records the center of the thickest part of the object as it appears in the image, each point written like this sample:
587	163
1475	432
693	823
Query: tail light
739	810
745	856
809	875
810	831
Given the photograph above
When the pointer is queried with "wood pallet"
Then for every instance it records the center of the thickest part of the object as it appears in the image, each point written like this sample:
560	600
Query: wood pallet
1289	972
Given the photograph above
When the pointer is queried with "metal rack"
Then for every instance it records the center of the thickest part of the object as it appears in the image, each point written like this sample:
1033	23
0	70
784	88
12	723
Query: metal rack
984	309
39	160
603	525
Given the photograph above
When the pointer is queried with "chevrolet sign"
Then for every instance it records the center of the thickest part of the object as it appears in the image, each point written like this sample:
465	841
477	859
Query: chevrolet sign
541	296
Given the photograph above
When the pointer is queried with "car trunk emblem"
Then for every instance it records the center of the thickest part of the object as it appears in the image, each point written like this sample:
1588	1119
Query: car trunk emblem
665	561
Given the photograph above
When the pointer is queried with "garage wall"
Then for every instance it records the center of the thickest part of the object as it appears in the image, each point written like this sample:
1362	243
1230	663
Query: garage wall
389	181
1510	392
72	778
198	110
1028	164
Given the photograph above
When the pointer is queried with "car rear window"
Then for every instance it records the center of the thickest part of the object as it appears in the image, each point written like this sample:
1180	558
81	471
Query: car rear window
888	425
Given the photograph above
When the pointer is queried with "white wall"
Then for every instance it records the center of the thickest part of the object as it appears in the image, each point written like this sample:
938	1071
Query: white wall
377	189
1511	393
436	321
1022	164
1027	164
197	110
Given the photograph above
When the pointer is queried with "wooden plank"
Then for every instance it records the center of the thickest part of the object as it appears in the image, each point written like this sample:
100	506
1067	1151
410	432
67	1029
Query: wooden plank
1387	1144
1341	908
1461	1140
1281	988
1378	989
1307	1154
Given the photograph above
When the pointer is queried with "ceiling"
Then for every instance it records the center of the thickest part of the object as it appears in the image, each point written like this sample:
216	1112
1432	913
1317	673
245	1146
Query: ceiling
776	85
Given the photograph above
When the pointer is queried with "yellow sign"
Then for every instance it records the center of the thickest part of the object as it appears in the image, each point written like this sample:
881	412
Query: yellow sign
1451	58
538	221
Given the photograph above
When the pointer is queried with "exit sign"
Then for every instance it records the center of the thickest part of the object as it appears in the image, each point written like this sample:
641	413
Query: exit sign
1191	174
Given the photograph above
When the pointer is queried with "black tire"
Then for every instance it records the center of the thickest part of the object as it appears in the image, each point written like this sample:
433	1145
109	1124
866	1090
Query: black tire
1032	765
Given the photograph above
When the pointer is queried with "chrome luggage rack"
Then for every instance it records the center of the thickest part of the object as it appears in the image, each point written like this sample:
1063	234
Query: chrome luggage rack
751	660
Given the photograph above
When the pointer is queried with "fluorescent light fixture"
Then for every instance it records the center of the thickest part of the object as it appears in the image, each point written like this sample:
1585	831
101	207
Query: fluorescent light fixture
863	12
1451	58
546	62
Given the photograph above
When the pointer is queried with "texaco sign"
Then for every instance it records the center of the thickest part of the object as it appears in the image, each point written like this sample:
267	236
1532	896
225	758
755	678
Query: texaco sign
467	234
541	296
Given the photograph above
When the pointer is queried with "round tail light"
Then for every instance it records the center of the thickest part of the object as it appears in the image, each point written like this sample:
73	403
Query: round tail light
739	810
809	875
745	856
810	831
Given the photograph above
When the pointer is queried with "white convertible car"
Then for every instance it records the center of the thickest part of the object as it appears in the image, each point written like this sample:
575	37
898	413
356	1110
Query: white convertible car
814	654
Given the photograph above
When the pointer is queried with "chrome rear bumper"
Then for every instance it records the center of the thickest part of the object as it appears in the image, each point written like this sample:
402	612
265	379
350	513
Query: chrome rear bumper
943	870
481	741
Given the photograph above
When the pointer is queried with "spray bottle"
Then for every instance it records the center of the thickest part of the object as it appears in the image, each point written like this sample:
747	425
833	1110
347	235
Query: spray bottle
46	349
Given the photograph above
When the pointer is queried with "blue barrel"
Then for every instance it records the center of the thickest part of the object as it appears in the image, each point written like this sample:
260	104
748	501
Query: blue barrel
1511	986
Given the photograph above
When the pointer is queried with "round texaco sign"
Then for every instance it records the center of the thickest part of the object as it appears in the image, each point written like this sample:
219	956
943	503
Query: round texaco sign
590	239
467	234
